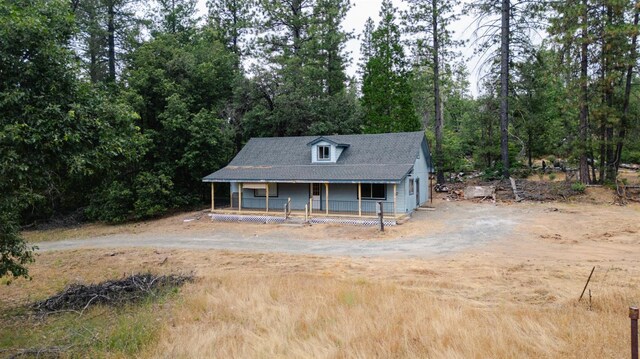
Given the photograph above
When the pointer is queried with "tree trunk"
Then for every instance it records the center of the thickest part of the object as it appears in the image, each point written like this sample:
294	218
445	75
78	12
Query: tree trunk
584	110
529	144
624	121
610	170
112	40
436	92
504	88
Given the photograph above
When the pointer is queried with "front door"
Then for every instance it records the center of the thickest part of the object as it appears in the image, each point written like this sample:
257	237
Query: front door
417	191
315	194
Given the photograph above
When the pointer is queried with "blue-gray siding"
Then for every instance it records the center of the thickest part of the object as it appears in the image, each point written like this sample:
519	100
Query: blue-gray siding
343	197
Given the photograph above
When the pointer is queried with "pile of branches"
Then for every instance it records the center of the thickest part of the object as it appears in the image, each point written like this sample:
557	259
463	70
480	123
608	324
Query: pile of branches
78	297
545	191
627	192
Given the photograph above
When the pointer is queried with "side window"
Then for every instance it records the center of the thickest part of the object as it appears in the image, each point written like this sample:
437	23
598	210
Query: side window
273	191
324	153
373	191
411	185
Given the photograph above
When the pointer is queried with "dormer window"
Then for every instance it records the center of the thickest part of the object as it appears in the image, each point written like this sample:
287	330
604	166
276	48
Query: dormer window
324	153
326	150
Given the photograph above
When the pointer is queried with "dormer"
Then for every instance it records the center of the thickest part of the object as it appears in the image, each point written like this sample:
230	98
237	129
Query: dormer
324	150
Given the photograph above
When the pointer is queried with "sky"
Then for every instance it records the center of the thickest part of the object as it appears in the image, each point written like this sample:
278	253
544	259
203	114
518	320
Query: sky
361	10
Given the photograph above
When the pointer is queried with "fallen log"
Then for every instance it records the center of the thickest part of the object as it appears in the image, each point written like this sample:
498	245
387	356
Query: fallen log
471	192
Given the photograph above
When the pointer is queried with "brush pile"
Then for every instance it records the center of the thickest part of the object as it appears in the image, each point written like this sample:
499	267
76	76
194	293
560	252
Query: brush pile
79	297
545	191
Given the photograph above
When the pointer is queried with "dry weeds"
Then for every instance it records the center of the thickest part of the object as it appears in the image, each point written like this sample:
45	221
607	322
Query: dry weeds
475	305
515	298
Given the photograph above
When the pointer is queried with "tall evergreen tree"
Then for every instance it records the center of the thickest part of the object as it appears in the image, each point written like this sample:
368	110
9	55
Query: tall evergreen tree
429	22
108	30
233	19
386	94
601	55
302	55
503	34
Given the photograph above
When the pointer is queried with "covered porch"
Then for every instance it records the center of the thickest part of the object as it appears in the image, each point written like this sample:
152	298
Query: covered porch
309	199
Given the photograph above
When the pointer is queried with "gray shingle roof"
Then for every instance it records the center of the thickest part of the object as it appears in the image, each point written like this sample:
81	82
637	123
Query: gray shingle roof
386	157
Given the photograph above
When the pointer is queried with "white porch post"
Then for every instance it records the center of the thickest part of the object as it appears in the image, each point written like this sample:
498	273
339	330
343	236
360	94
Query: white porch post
326	200
212	197
359	199
267	198
240	197
395	187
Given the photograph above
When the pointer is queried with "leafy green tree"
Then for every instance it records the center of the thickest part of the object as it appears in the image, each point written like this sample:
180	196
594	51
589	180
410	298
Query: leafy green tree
386	95
57	135
179	86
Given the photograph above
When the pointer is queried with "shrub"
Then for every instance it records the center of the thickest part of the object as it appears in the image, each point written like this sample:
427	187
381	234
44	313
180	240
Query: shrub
153	194
112	203
551	160
578	187
524	172
552	176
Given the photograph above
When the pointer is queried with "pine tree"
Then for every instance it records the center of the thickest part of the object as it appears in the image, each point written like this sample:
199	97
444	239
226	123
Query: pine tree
428	22
386	94
233	19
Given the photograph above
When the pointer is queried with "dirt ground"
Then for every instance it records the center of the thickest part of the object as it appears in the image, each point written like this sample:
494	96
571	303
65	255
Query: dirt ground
514	295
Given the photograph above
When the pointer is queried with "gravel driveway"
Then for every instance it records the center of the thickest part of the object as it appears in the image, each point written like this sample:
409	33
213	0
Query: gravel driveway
464	227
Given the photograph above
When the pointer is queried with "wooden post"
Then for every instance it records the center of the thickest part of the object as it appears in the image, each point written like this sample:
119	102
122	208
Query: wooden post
431	188
634	315
212	197
310	199
381	215
359	199
240	197
395	187
267	198
326	200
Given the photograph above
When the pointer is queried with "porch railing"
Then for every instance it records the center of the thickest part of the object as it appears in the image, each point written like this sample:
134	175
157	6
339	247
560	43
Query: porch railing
351	207
260	203
368	207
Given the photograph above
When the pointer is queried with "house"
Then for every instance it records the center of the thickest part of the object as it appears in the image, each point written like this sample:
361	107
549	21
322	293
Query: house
330	175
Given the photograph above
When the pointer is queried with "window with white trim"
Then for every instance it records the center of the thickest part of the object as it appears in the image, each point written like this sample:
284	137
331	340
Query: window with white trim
324	153
411	185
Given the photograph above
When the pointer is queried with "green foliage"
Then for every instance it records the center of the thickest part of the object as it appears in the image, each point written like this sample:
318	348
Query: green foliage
578	187
111	203
15	254
100	332
153	193
386	93
38	137
631	157
552	176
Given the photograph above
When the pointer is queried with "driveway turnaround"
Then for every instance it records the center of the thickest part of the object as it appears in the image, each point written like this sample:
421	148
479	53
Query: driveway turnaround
463	227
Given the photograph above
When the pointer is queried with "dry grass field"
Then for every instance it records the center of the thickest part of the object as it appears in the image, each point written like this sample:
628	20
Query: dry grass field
508	299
